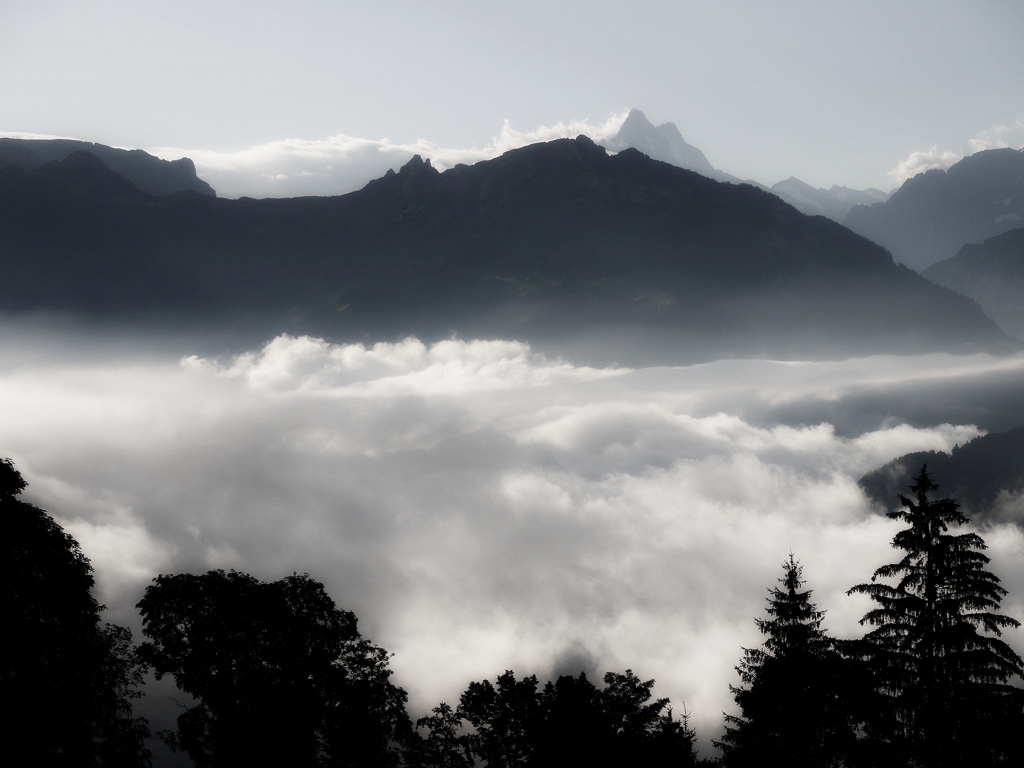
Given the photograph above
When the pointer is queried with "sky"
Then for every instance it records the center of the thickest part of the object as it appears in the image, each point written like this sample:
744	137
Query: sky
319	96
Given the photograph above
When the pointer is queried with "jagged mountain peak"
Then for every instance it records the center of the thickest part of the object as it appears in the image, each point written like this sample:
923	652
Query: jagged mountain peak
663	142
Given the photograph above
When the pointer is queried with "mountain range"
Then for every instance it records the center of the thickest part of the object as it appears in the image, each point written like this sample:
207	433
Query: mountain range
935	223
615	257
934	214
666	143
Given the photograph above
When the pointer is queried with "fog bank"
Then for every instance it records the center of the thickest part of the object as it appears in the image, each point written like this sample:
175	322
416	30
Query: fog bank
481	507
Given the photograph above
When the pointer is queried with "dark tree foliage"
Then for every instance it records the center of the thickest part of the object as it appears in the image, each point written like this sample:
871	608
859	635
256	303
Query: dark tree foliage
576	728
280	674
444	745
505	718
645	731
934	647
67	679
797	698
569	722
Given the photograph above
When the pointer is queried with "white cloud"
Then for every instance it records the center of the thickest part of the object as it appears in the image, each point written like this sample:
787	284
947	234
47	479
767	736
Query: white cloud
995	137
32	136
478	506
999	136
922	161
510	138
453	366
340	164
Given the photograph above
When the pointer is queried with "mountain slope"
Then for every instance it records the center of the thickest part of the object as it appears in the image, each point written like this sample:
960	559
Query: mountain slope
992	274
665	143
935	213
985	475
622	256
835	202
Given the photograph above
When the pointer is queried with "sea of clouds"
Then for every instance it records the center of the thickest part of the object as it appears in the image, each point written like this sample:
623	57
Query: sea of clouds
481	507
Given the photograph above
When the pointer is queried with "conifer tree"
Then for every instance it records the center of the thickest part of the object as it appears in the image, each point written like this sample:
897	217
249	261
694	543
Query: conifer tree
934	647
795	697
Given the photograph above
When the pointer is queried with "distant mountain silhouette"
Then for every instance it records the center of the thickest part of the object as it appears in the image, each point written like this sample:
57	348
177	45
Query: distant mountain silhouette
665	143
975	474
992	274
835	202
936	213
150	174
622	257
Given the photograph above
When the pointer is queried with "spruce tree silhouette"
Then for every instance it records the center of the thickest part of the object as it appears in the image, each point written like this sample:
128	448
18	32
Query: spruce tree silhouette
68	680
797	697
935	648
280	673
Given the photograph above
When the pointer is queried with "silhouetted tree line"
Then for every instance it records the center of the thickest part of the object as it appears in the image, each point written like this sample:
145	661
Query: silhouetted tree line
281	676
68	679
928	685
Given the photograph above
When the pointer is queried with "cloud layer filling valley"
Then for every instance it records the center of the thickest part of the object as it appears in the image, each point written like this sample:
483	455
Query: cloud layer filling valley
480	507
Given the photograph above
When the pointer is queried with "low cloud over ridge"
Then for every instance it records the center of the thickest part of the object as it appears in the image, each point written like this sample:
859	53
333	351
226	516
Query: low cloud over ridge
340	163
996	137
481	507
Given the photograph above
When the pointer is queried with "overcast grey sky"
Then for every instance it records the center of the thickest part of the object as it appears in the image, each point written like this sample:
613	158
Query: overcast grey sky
834	93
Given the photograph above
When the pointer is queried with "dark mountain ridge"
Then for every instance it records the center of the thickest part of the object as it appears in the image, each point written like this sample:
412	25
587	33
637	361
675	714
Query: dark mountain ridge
150	174
556	242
